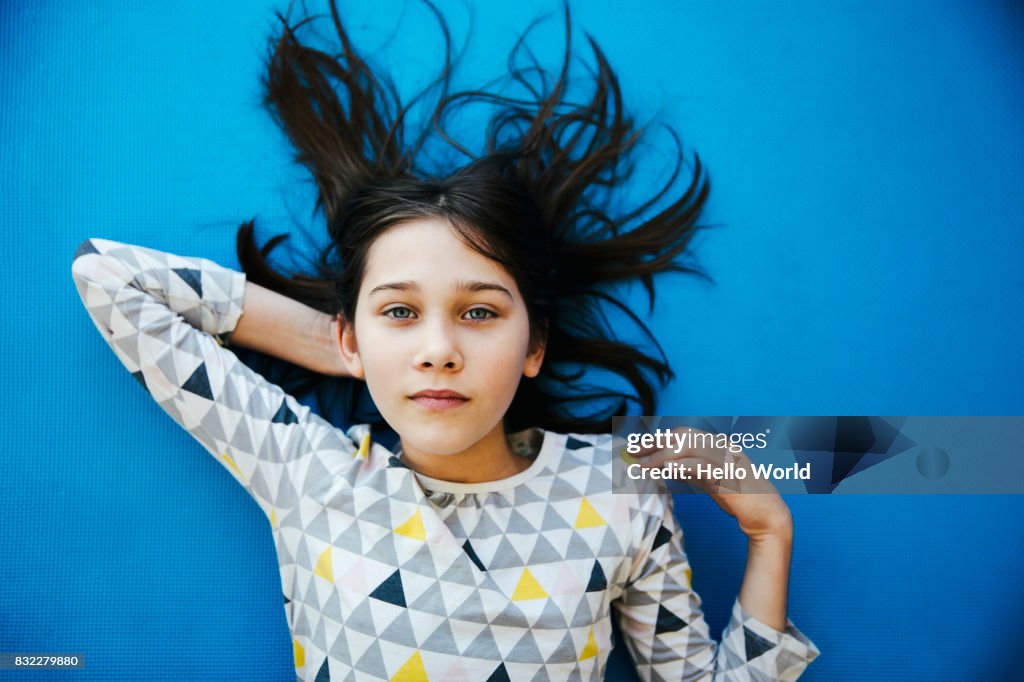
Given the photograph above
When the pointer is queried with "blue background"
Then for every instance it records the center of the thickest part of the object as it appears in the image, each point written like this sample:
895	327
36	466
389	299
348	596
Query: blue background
866	163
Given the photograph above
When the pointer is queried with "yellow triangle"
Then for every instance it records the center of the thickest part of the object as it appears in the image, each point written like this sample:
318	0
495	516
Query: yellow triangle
588	516
273	518
364	448
300	653
412	671
231	463
689	578
528	588
323	566
590	648
413	528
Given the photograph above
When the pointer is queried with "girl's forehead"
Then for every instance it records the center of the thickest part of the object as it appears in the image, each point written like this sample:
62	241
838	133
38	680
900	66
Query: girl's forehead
430	254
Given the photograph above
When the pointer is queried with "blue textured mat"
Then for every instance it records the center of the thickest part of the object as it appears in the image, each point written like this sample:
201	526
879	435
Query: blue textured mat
866	164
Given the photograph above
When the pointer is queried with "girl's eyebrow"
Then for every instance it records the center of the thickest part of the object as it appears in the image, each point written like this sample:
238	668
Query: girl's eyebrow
460	285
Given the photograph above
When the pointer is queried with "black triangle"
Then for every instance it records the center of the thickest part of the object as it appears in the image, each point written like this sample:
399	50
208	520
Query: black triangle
325	674
286	599
141	379
597	580
84	248
192	277
468	549
575	443
199	383
499	675
755	644
285	415
395	462
391	590
661	538
668	621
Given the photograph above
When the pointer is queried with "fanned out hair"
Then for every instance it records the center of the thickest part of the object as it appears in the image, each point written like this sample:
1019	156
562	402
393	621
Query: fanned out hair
536	199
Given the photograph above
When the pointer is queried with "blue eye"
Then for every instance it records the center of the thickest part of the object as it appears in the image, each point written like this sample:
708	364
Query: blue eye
488	314
407	314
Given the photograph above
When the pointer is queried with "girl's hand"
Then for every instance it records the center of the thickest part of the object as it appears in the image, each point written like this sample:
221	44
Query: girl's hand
756	505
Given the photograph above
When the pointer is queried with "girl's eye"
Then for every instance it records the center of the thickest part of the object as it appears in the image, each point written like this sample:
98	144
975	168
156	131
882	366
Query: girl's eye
487	314
400	313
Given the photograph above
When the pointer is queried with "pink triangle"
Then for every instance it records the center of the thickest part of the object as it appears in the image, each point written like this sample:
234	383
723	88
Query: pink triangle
456	673
567	581
355	577
620	514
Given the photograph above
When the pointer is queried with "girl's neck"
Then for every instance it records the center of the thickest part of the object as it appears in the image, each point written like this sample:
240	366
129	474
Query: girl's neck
489	459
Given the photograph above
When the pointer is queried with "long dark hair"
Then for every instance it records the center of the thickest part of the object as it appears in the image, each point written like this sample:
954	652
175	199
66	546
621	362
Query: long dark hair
536	199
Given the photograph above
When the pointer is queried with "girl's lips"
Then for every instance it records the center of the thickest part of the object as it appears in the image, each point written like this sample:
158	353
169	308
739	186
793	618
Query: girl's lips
432	403
439	399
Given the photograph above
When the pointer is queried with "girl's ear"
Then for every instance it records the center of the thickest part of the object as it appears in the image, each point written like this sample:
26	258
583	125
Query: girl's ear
348	349
535	358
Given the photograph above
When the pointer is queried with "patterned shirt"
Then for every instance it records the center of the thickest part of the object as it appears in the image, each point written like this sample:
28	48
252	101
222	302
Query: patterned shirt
388	574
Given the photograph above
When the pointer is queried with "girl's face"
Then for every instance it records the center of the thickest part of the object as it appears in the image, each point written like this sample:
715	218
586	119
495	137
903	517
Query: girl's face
435	315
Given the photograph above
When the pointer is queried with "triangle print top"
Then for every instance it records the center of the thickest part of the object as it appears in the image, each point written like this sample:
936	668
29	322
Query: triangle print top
389	575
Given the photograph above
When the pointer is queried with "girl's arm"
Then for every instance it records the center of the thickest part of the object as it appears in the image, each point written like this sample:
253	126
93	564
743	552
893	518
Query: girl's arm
285	328
663	624
164	316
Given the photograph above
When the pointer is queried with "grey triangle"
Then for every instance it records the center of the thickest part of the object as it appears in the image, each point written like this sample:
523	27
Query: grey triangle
284	556
510	616
552	520
240	439
483	647
361	620
524	495
578	548
269	450
259	485
460	573
525	651
301	623
598	482
505	556
318	634
332	607
319	527
379	513
166	364
442	640
286	495
583	615
400	631
350	539
543	552
610	544
471	610
566	651
552	617
212	425
517	523
316	473
422	562
229	394
486	528
541	676
372	662
430	602
384	550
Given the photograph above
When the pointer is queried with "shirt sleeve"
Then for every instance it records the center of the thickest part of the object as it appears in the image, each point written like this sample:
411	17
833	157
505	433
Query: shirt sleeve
166	318
664	627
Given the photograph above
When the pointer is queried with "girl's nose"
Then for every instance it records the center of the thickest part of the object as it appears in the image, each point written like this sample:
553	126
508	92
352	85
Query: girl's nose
439	349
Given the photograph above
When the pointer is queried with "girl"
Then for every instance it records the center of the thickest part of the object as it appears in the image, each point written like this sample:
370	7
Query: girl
487	543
